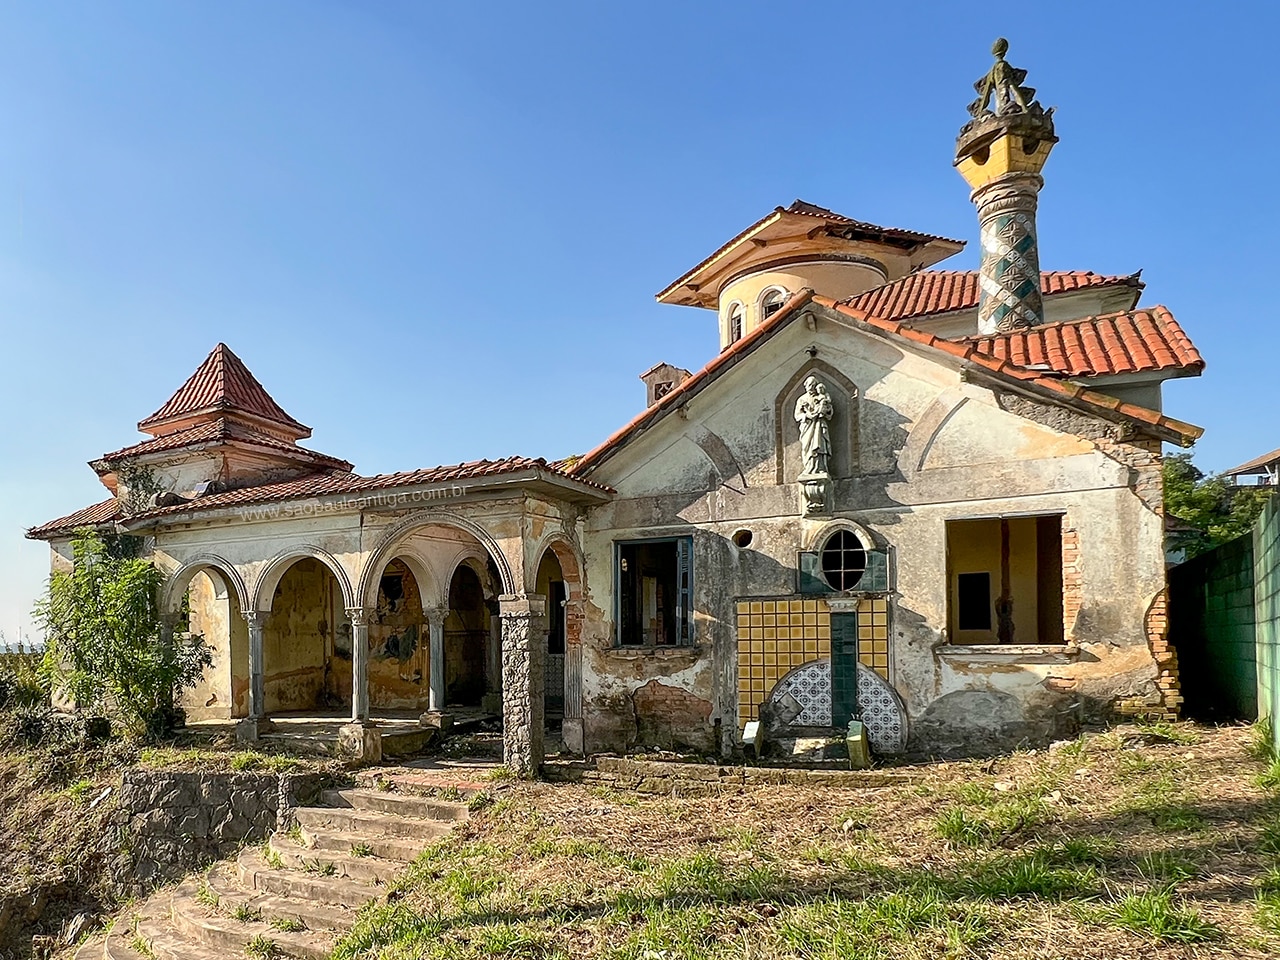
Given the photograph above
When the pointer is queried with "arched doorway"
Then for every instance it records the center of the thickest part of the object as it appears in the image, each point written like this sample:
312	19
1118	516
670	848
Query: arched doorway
468	636
551	584
306	641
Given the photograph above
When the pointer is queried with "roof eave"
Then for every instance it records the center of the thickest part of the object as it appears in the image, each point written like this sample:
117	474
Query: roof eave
291	426
568	488
667	295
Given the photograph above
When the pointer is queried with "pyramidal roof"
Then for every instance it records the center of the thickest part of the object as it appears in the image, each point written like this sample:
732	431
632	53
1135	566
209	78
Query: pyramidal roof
222	386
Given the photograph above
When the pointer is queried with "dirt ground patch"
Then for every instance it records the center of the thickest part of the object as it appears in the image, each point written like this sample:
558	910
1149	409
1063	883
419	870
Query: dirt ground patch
1150	842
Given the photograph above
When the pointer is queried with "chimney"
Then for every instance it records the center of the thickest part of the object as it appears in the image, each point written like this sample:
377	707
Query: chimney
661	380
1000	153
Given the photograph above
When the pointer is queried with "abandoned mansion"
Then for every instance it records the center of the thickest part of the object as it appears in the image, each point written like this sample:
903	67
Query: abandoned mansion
924	499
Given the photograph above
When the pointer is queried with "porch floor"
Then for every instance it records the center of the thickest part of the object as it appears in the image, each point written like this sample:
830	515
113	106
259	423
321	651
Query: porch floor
316	731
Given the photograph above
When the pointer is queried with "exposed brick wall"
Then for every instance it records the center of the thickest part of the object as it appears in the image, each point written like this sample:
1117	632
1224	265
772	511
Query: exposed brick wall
1072	579
669	716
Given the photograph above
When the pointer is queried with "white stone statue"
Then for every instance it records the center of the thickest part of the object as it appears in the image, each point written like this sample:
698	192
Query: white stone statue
813	413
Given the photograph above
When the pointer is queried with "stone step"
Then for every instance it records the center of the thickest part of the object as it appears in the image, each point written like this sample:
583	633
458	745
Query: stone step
162	944
402	849
331	863
254	872
400	804
359	824
224	883
195	922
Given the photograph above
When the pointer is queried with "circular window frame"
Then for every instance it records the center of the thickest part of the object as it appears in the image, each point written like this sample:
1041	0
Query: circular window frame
842	560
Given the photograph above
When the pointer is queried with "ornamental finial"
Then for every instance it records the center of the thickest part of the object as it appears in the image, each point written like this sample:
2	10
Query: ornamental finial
1003	82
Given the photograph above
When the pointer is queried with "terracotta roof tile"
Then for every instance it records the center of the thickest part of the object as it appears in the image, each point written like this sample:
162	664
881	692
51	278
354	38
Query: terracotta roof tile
331	483
222	383
1051	386
219	431
944	291
1134	341
100	513
1255	465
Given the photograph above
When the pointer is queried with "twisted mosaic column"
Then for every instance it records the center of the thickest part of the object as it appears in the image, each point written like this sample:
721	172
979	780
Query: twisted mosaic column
1009	279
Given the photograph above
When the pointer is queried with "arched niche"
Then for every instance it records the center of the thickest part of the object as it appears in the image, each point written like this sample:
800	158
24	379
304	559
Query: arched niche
843	426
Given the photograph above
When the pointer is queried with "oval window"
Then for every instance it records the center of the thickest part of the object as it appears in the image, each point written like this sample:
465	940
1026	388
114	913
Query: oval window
844	560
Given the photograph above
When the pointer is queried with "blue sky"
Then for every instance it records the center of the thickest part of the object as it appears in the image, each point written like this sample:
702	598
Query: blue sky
434	231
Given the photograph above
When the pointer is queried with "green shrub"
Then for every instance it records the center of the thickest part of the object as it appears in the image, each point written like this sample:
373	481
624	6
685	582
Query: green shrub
106	647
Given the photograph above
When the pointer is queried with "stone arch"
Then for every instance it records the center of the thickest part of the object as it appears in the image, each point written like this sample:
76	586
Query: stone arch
276	568
386	549
844	428
816	535
569	557
178	582
424	574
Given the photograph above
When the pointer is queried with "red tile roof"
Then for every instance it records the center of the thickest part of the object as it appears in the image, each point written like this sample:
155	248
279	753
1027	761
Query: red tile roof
217	432
100	513
222	383
1256	465
1050	387
943	291
327	484
1131	342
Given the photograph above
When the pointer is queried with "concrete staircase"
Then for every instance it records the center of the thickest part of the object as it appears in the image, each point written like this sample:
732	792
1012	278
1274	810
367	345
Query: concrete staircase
292	896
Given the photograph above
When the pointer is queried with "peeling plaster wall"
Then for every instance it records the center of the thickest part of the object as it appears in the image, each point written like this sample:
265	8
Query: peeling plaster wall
297	639
399	667
222	692
932	448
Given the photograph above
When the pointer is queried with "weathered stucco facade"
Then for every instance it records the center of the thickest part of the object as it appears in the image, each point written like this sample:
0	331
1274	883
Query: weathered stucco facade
922	500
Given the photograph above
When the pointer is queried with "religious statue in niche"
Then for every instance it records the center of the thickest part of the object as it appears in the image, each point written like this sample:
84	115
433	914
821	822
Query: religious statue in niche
814	411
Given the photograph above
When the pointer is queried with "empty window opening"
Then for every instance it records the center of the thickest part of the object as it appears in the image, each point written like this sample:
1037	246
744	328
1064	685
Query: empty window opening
654	580
1005	580
736	314
772	302
844	560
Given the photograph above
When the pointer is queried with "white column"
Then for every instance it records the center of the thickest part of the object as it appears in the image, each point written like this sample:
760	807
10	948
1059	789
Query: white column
257	685
435	651
359	663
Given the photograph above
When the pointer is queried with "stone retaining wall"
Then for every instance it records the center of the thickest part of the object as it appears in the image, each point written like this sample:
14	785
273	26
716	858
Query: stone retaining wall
174	822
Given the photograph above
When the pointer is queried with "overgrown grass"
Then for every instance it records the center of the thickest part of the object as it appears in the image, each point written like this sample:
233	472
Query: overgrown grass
262	947
286	924
1155	914
244	913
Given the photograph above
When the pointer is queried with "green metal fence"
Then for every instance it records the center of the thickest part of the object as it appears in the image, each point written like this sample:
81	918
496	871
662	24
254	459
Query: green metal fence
1224	621
1266	600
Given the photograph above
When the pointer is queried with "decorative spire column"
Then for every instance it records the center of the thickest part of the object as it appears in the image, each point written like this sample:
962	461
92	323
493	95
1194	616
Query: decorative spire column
1000	154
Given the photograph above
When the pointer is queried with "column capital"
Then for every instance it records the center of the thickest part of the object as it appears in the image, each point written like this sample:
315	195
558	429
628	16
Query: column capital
359	616
434	614
517	606
254	618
